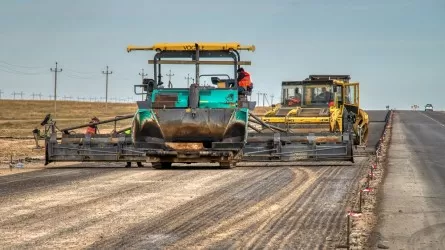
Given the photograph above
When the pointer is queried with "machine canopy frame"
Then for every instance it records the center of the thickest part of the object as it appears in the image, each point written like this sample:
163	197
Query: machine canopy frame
194	51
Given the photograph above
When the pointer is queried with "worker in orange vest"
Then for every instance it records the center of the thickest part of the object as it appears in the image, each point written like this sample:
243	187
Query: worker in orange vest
92	128
244	80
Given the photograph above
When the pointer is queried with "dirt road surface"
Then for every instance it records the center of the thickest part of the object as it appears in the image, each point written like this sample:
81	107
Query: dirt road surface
413	208
114	207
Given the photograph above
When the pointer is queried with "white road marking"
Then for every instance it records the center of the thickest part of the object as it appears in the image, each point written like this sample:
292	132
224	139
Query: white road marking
441	124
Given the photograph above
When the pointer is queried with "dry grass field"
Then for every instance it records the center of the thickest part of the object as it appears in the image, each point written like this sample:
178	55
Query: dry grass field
19	117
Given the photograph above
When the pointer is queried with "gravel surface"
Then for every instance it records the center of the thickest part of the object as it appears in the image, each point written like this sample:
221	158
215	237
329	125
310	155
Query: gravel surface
114	207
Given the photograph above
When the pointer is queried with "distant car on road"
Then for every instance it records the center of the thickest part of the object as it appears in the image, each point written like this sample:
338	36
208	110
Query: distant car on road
429	107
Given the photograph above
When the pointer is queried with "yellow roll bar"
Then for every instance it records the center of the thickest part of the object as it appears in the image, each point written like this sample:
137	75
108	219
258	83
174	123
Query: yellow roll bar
190	46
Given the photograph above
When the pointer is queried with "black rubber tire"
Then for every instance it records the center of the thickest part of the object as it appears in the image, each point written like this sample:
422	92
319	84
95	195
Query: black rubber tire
161	165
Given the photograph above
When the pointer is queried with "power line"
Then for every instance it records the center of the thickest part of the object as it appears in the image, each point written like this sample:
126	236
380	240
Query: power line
21	66
55	70
80	72
106	86
16	72
81	77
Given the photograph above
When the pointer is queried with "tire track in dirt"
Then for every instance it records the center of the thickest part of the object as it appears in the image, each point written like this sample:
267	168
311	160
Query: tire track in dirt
68	215
279	226
313	238
317	220
204	212
257	233
248	218
36	181
251	235
288	236
337	220
245	207
100	177
200	220
301	221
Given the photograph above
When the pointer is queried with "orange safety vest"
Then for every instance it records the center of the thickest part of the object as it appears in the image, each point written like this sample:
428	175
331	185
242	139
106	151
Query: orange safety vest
245	82
91	130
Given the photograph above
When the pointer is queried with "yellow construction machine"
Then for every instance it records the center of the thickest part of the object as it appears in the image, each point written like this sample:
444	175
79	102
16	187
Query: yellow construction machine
318	118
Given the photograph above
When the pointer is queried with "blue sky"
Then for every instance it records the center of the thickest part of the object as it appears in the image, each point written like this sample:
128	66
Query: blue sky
395	50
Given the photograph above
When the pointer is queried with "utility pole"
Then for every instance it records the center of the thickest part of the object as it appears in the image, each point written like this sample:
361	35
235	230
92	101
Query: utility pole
106	86
142	76
56	70
265	98
188	78
40	96
17	93
170	85
33	95
259	93
271	99
1	92
67	97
